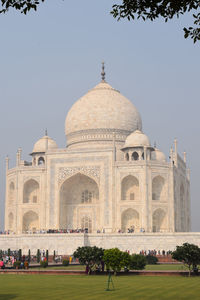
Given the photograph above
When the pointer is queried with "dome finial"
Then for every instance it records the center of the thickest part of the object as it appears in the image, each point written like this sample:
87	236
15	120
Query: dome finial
46	133
103	72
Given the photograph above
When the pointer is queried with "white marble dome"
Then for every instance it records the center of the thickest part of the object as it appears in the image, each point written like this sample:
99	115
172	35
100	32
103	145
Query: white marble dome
43	144
101	111
137	139
158	155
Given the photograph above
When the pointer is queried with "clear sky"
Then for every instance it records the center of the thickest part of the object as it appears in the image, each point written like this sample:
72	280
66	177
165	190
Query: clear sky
52	57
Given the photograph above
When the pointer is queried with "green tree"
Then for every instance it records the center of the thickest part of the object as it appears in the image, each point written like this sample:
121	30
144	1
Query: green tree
38	255
115	259
47	255
20	254
91	257
154	9
22	5
132	9
137	262
29	255
189	254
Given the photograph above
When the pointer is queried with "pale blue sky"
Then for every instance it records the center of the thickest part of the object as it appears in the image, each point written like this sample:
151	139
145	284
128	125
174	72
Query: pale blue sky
52	57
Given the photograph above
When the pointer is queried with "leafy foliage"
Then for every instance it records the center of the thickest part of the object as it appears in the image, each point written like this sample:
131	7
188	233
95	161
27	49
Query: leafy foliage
65	262
132	9
153	9
43	263
151	260
189	254
17	264
137	262
22	5
115	259
89	256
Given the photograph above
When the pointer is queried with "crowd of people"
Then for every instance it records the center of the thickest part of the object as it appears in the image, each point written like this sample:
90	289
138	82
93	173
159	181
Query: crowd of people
155	252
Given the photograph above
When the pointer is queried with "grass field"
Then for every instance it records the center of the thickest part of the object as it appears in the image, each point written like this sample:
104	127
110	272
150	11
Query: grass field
47	287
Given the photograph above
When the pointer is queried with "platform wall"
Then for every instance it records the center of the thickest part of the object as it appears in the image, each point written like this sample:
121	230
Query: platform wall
68	243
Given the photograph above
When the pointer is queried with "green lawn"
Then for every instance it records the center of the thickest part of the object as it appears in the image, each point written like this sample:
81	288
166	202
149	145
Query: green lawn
47	287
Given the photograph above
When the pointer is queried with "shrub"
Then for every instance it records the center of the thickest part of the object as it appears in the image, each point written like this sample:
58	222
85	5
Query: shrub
151	260
26	264
17	264
116	259
29	255
137	262
43	264
65	262
38	255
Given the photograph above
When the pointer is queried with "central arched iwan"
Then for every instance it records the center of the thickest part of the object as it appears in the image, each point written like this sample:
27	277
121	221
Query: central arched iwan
79	196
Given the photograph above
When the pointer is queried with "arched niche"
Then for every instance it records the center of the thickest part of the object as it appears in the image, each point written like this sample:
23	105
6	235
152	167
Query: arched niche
182	207
31	191
11	193
159	220
41	161
77	191
158	188
10	221
30	221
130	220
127	157
86	223
130	188
135	156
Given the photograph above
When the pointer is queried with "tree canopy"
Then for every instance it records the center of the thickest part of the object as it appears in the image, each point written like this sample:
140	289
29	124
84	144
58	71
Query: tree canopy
189	254
154	9
22	5
89	256
133	9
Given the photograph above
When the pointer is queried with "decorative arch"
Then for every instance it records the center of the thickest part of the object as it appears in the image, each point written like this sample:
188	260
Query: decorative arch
135	156
130	220
182	207
86	223
127	157
158	188
30	221
11	192
130	188
41	161
31	191
159	220
78	191
11	221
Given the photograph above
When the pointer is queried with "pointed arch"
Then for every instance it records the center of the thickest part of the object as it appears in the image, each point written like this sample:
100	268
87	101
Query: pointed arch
78	191
158	188
135	156
30	221
11	192
182	207
10	221
31	191
130	219
86	223
159	221
130	188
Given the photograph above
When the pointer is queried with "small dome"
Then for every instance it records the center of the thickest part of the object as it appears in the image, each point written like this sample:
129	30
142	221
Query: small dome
44	144
158	155
137	139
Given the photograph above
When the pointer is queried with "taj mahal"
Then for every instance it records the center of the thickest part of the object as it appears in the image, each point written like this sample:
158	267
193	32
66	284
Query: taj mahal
109	181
